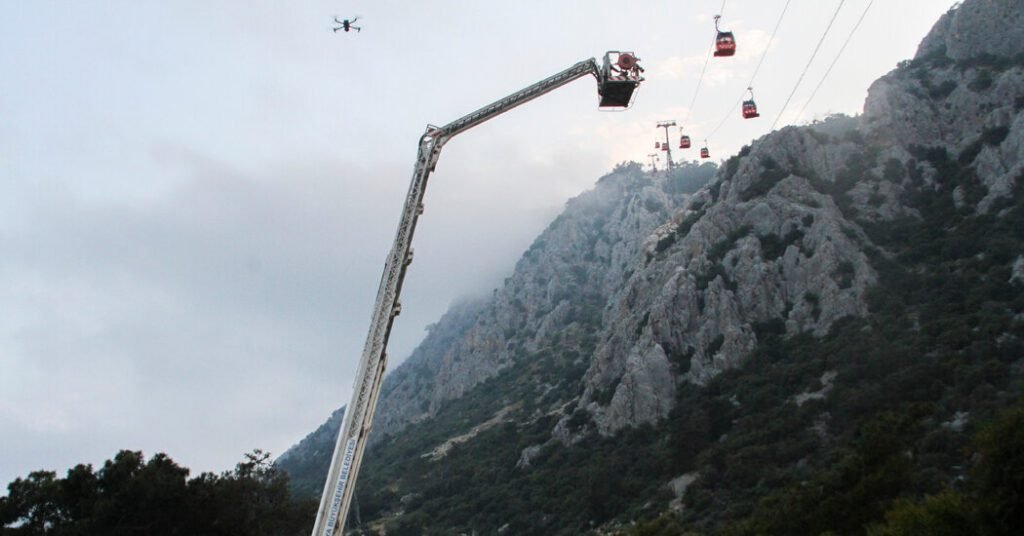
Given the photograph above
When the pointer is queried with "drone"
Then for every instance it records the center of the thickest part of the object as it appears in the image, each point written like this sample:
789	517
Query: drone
347	25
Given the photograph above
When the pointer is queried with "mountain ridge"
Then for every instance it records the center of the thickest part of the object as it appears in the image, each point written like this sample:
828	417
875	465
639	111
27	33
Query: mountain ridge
659	338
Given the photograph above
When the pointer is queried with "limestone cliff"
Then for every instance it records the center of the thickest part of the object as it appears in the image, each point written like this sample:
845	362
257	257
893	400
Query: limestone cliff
566	276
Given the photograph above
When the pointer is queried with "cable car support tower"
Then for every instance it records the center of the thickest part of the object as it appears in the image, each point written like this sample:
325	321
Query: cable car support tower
617	79
666	146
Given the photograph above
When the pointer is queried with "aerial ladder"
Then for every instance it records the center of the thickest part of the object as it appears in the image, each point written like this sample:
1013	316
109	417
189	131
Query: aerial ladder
617	80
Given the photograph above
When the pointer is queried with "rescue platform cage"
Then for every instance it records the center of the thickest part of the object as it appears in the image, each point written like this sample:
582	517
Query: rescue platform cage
619	77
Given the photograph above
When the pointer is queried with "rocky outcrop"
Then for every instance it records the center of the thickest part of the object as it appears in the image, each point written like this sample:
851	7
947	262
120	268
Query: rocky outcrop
558	287
973	29
963	92
407	390
768	246
760	250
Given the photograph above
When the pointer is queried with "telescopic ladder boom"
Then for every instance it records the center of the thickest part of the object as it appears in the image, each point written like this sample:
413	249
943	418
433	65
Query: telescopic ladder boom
617	78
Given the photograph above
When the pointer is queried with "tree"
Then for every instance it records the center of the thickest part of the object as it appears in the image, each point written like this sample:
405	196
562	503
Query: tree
999	474
132	496
33	504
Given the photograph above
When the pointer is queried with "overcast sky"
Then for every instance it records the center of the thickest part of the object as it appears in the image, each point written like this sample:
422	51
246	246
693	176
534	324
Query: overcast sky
196	198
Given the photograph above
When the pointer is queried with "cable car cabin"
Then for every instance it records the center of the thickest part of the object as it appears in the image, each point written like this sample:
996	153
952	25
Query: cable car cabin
750	110
664	147
618	79
705	153
657	145
684	142
725	44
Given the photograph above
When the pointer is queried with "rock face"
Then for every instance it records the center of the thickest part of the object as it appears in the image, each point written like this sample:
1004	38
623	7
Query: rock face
962	92
991	27
415	382
761	247
567	274
653	284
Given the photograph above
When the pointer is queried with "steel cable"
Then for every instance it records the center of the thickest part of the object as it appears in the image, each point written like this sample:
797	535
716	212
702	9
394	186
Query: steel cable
696	90
841	49
808	66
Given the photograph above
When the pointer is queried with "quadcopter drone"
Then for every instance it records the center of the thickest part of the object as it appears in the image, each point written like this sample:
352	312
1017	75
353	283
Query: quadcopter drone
347	24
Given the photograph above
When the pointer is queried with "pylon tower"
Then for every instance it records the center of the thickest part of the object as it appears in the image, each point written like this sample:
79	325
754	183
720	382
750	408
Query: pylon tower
667	146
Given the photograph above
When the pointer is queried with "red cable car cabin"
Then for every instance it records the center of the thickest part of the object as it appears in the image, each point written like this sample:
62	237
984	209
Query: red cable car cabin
725	44
749	107
705	153
684	142
750	110
657	145
664	147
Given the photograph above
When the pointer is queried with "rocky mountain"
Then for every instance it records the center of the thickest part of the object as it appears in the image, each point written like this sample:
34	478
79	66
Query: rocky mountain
674	355
555	292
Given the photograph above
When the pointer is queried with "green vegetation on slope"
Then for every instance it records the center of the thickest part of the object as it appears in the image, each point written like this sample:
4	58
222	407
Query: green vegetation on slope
850	496
944	340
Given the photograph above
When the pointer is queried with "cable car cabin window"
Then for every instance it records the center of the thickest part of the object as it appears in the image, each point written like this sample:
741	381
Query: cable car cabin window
750	110
725	44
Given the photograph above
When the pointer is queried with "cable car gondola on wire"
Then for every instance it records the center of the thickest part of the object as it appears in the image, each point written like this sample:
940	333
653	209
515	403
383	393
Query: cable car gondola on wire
657	145
725	43
749	106
684	140
664	146
704	152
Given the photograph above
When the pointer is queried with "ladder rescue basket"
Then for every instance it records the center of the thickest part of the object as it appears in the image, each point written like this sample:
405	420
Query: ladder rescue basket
618	79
